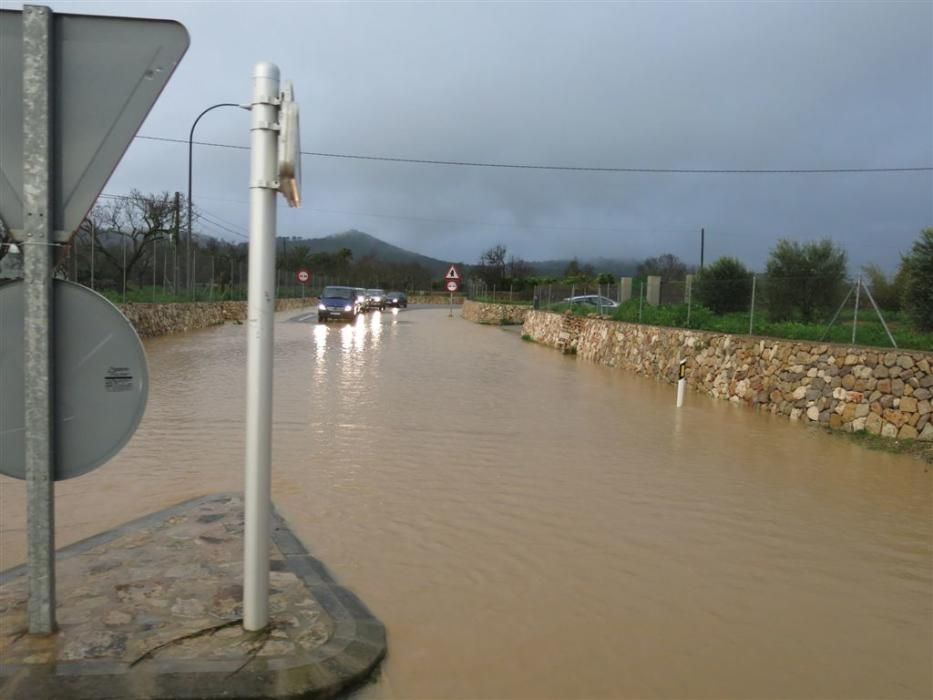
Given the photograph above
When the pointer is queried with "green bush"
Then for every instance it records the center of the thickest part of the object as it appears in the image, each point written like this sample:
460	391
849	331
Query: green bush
804	280
724	286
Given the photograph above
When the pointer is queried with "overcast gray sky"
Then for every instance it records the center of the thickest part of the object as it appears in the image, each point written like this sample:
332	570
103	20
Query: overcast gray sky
646	85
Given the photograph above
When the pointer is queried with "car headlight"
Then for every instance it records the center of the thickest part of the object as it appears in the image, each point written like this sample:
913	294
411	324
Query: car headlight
377	298
347	308
321	307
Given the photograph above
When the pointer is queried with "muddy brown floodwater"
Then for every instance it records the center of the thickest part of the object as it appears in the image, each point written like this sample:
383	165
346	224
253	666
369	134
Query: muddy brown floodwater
531	526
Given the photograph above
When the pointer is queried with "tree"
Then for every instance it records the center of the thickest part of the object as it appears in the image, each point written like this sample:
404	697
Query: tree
668	266
918	289
805	280
138	221
886	292
575	273
605	278
724	286
492	267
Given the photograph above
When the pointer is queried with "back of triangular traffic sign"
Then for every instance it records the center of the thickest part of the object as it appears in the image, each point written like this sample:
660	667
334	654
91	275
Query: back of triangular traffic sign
109	71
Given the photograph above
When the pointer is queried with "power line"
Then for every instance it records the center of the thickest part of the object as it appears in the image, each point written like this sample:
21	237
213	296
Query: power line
572	168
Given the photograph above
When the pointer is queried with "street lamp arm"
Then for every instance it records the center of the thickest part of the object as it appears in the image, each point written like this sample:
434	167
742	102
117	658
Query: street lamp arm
190	161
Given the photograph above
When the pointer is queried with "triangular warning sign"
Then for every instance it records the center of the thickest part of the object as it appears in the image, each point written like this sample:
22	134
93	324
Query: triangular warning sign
109	72
452	274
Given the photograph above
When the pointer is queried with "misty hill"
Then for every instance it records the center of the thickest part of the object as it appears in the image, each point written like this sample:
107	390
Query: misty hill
363	245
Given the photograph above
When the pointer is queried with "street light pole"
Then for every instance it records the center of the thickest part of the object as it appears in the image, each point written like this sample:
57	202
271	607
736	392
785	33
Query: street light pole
190	156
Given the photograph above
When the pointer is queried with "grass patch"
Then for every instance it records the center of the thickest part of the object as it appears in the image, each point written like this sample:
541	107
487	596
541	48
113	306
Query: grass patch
916	448
868	332
506	302
527	338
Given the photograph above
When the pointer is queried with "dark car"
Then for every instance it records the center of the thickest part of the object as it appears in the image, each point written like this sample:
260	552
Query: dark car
339	303
397	299
376	299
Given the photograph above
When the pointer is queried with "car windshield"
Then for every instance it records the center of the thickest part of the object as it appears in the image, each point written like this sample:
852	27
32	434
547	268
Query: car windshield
375	292
396	294
337	293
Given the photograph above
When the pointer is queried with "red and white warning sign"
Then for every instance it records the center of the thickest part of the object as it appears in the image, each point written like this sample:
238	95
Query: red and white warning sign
452	286
303	275
452	273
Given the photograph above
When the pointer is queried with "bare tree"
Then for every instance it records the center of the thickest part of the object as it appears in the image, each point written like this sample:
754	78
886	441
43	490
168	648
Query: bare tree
137	221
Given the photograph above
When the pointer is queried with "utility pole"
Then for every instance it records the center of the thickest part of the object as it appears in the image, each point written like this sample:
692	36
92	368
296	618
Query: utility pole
702	245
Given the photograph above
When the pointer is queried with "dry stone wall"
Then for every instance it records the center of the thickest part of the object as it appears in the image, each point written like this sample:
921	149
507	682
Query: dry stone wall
434	299
883	392
497	314
151	320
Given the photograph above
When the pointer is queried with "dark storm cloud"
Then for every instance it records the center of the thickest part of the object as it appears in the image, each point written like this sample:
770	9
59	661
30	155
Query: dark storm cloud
749	85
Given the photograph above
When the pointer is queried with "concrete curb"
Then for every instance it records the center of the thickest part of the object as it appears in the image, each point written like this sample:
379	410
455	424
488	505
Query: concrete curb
346	659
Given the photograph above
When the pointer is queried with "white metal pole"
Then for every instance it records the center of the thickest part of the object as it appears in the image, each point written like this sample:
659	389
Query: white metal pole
260	317
751	313
93	242
681	382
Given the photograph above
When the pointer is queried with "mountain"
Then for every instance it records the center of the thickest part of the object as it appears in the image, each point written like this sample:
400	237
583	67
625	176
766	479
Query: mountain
363	245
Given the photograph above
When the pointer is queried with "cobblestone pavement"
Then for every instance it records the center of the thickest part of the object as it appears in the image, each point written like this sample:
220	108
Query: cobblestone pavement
163	596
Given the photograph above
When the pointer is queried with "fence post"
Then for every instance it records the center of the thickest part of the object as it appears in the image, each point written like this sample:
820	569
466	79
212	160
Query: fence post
858	287
155	267
641	299
688	281
751	314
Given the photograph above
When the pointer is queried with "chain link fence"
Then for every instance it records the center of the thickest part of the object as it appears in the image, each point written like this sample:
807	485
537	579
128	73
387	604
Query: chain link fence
810	308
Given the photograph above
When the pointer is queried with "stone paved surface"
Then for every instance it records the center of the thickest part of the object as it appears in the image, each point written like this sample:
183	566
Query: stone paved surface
160	599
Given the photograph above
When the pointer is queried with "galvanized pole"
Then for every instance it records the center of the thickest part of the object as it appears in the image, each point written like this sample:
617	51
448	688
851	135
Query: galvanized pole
880	317
260	317
212	278
93	244
858	287
751	313
641	299
155	267
124	267
37	277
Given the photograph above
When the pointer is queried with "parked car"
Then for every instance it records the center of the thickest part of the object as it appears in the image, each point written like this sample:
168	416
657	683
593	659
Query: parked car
338	303
397	299
376	299
594	300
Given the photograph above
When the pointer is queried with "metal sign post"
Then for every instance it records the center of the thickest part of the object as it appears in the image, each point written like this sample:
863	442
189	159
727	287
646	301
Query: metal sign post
261	316
37	276
75	91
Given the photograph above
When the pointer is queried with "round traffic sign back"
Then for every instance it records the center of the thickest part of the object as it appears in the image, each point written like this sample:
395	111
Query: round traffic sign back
303	275
452	285
101	380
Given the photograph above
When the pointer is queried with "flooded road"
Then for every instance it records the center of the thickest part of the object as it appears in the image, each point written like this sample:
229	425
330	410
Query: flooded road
531	526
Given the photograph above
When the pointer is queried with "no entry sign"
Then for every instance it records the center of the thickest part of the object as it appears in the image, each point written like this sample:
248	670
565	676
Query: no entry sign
303	276
452	285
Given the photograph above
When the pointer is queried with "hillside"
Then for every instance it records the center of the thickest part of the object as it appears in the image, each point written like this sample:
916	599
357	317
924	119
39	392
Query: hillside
363	245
